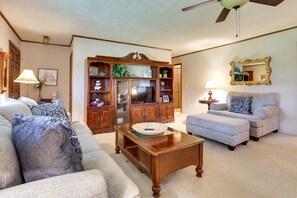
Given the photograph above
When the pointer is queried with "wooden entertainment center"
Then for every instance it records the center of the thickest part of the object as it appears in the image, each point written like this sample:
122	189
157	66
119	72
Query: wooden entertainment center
128	89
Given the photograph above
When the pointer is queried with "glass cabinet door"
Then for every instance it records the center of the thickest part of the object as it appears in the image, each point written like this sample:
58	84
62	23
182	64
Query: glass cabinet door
122	101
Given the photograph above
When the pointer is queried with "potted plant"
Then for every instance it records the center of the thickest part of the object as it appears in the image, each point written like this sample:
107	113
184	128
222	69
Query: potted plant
165	72
40	85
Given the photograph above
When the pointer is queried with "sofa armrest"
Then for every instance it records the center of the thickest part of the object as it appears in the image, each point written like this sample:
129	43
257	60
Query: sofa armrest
267	112
90	183
219	106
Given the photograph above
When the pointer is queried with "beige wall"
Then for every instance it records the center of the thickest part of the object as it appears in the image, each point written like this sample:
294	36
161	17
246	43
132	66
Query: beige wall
6	34
214	65
83	48
34	56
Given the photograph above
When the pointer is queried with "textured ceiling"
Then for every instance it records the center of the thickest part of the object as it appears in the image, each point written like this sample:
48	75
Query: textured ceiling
159	23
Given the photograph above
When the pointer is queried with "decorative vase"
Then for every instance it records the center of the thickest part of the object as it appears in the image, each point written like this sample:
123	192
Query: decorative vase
164	75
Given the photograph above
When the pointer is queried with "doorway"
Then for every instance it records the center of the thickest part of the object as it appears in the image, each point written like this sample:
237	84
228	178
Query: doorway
177	87
14	70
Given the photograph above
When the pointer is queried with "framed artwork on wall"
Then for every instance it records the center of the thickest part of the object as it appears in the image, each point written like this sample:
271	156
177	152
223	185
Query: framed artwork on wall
49	76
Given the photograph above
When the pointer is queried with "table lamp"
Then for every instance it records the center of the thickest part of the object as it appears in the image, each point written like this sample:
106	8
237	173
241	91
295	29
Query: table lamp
27	76
210	85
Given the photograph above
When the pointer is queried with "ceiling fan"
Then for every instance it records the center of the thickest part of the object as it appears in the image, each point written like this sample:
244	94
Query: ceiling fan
229	4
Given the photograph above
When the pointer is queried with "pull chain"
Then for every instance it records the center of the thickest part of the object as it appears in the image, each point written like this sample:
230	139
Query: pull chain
237	21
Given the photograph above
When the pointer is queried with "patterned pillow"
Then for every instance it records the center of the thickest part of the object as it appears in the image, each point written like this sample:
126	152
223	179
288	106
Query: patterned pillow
43	147
240	104
47	109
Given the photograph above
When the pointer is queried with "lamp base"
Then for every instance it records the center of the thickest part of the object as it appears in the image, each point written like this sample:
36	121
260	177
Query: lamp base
210	94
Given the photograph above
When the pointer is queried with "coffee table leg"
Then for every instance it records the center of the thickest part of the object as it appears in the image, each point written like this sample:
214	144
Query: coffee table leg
199	171
156	190
117	150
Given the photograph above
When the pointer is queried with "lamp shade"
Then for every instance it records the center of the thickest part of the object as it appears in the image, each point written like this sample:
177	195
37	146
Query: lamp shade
210	85
229	4
27	76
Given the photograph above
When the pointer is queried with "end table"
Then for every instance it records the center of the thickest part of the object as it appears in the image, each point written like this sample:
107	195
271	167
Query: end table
208	102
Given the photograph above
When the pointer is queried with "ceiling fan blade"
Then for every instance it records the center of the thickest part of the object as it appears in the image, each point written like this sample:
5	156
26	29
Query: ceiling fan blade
223	15
198	5
268	2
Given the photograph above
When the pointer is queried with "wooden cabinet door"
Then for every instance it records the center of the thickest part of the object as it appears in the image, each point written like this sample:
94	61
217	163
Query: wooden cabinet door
163	112
137	114
170	111
94	119
106	118
151	113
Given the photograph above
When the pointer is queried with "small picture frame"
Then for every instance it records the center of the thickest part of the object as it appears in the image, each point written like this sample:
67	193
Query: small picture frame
94	71
165	98
49	76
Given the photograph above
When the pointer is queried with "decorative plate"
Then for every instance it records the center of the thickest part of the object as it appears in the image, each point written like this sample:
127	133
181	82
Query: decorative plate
149	128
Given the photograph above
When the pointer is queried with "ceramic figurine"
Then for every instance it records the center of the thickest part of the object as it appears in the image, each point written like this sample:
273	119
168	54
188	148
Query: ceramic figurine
97	85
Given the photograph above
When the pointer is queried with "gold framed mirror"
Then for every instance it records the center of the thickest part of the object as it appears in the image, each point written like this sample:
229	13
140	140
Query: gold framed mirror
251	72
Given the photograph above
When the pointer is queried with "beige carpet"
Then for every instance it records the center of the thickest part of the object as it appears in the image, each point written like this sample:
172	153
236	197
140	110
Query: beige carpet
267	168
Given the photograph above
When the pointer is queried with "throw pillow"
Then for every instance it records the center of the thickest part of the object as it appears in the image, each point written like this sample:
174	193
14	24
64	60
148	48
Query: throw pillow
47	109
27	101
10	171
240	104
43	147
8	110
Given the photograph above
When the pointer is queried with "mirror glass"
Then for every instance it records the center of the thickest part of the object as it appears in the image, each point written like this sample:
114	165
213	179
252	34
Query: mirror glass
250	72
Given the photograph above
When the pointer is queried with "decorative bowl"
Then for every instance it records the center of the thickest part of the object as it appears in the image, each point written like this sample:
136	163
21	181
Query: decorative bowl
149	128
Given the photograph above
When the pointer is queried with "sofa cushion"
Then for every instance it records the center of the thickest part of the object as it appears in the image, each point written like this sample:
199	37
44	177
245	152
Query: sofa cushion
240	104
114	175
43	147
259	99
47	109
10	173
9	109
27	101
254	120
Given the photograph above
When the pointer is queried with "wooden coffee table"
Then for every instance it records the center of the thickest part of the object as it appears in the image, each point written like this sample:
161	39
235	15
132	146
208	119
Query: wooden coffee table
158	156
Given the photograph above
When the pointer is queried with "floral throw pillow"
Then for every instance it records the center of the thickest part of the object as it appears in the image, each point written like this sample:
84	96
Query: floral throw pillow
241	104
47	109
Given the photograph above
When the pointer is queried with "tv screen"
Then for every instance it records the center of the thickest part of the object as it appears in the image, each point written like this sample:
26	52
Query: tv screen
142	94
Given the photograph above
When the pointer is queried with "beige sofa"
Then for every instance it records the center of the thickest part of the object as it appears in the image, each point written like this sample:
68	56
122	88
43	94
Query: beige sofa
265	112
102	176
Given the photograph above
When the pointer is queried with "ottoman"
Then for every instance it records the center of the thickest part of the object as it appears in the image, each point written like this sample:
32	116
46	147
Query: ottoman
230	131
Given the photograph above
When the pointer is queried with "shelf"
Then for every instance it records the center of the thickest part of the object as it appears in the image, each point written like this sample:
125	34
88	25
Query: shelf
135	78
99	91
106	106
102	77
166	90
166	78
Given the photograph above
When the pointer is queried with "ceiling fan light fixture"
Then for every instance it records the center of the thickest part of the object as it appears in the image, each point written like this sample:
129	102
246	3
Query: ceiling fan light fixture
229	4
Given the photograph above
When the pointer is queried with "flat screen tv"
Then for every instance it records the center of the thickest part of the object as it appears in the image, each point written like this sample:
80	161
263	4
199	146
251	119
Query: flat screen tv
142	94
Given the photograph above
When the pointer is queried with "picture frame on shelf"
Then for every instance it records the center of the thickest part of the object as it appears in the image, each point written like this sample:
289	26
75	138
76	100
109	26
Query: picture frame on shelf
48	76
165	98
94	71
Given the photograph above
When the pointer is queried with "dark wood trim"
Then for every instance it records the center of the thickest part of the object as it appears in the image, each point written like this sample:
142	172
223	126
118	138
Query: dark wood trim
12	44
70	81
36	42
119	42
224	45
7	22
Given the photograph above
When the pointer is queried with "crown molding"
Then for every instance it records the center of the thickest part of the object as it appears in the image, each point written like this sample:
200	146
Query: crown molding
118	42
251	38
7	22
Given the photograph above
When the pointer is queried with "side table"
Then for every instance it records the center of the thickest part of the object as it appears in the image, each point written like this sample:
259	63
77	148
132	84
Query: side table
208	102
